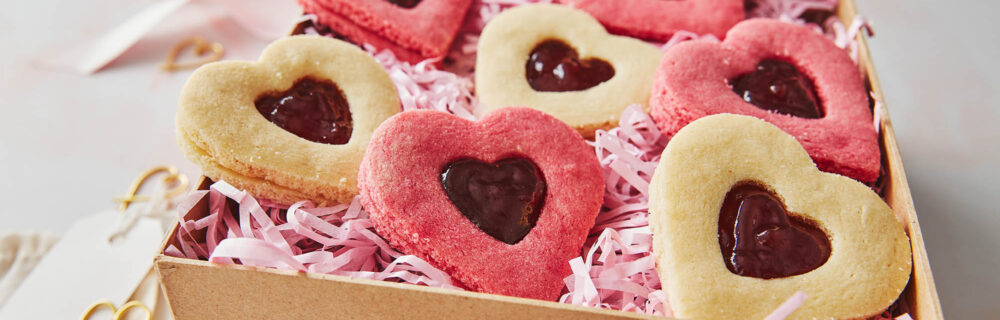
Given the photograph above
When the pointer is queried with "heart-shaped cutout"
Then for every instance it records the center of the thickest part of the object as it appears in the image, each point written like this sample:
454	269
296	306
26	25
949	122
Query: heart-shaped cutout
506	66
401	187
555	66
313	109
286	128
658	20
760	239
413	30
722	161
503	199
778	86
698	78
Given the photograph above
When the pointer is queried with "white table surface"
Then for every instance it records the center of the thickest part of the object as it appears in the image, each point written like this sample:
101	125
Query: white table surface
69	142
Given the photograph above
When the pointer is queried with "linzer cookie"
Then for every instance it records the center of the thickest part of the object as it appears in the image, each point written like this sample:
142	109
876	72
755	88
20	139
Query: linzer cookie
501	204
292	126
561	61
742	219
658	20
414	30
786	74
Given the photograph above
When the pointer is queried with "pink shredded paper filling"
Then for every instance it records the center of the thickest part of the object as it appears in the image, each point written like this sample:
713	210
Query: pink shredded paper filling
616	269
789	306
335	240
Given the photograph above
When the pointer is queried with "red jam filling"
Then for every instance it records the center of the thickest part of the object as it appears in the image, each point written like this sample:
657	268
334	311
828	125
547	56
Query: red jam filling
555	66
313	109
778	86
405	3
759	239
502	199
817	16
749	6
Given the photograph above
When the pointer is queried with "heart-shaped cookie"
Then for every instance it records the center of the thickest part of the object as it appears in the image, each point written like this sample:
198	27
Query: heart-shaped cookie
786	74
462	196
292	126
568	52
742	219
658	19
414	30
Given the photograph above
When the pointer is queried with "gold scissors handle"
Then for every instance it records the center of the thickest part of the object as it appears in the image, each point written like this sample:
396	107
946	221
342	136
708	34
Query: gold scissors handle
98	305
119	314
173	177
201	48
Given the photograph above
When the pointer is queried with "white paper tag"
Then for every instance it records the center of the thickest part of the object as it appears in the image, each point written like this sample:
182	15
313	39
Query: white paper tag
84	267
122	37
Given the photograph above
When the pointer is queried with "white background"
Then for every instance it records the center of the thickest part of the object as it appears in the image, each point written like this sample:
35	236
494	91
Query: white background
69	143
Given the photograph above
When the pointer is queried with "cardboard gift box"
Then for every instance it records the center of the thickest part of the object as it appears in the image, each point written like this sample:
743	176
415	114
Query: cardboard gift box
198	289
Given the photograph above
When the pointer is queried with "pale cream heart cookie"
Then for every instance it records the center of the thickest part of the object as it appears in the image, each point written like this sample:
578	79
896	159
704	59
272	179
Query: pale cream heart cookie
869	260
292	126
509	40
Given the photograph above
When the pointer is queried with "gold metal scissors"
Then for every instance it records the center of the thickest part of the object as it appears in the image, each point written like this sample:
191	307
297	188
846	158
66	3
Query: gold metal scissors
173	177
119	313
201	48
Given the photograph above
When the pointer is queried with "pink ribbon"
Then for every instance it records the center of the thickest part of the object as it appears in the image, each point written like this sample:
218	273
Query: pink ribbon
265	19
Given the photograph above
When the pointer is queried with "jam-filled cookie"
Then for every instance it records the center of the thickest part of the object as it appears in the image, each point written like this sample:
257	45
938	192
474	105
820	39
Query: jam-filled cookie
414	30
742	219
786	74
293	125
501	204
561	61
658	20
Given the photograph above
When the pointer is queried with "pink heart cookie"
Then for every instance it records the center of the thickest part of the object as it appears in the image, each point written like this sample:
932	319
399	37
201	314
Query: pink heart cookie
658	19
785	74
414	30
405	183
